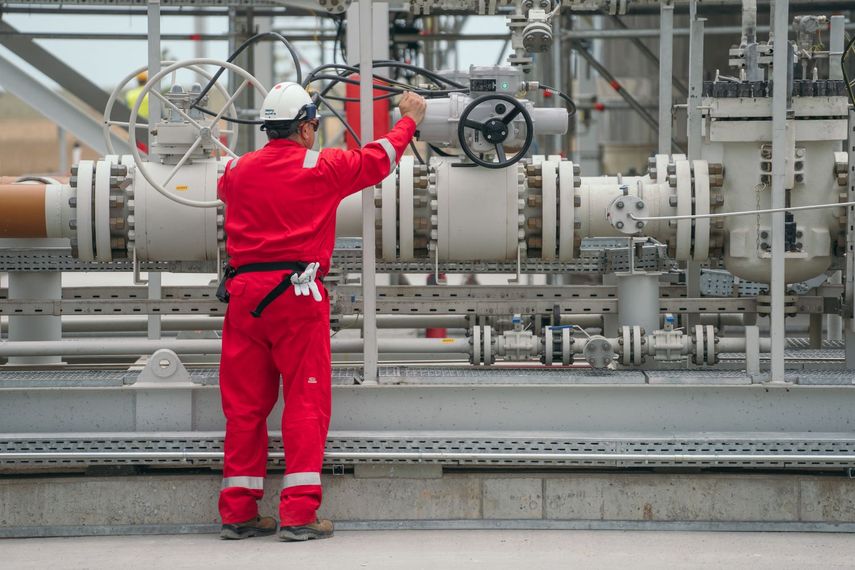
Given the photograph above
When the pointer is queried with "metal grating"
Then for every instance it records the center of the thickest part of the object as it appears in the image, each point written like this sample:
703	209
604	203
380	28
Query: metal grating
441	448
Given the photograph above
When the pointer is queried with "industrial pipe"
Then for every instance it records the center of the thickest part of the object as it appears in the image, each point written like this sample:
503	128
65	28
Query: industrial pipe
22	211
749	22
87	324
135	346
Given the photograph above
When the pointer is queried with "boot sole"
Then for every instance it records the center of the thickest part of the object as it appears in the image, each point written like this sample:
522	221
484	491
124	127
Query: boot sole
232	534
302	536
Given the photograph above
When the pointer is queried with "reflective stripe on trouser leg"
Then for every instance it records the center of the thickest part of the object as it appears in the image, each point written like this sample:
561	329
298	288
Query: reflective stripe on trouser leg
243	481
249	386
390	152
302	353
298	479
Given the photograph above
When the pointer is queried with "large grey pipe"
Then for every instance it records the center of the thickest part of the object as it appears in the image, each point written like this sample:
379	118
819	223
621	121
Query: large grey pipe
87	324
749	22
134	346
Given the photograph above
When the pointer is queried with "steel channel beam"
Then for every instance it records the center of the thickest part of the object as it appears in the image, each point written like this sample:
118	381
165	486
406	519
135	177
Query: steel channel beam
399	305
624	410
67	77
55	107
666	76
365	11
451	457
780	152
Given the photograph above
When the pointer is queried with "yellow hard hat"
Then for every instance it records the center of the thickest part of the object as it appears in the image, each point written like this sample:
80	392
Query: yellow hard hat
142	76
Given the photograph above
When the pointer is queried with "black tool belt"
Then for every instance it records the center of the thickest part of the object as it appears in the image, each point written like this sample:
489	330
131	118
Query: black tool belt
281	287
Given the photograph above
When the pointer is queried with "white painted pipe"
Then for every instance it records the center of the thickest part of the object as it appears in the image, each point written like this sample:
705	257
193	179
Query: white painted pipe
737	344
132	346
83	324
410	321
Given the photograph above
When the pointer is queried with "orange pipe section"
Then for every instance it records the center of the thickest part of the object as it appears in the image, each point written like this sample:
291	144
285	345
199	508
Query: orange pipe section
22	211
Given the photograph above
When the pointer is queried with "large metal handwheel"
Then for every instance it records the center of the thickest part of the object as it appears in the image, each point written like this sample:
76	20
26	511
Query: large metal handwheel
204	133
495	130
114	96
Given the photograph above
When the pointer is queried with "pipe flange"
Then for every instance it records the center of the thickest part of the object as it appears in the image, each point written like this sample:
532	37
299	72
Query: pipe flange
598	352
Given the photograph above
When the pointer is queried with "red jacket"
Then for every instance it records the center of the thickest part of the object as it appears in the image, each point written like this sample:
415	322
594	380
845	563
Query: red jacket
281	200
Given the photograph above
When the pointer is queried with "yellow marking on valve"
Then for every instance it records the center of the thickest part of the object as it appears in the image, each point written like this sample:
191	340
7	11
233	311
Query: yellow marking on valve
182	188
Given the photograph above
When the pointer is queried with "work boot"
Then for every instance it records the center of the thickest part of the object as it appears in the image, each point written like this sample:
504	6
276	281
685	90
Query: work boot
321	528
256	526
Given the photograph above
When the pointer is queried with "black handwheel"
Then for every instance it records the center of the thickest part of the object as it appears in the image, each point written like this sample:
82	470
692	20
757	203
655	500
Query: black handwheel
495	130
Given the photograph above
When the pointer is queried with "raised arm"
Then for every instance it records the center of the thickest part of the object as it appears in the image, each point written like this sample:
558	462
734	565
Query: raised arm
363	168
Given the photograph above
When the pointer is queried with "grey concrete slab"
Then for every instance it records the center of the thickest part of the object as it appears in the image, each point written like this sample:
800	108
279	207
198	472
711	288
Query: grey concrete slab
633	497
513	498
452	497
573	499
417	550
827	499
397	471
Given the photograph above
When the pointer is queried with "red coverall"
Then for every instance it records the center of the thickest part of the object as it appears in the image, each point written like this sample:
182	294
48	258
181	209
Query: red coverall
281	204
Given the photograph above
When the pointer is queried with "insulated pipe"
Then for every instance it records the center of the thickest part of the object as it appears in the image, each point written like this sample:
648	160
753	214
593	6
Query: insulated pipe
749	22
410	321
638	300
737	344
22	211
81	324
35	329
133	346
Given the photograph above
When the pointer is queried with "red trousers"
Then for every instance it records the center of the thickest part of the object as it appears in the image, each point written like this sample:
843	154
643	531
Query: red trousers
290	340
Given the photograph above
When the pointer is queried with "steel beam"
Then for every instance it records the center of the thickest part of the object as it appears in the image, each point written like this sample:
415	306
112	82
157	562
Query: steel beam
780	153
666	76
56	108
366	121
626	403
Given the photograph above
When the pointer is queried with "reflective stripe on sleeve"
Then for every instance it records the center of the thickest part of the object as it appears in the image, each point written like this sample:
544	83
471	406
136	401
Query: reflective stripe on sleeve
390	152
244	481
297	479
311	159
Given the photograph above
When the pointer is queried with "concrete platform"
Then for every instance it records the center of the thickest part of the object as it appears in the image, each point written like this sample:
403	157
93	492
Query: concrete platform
416	550
427	498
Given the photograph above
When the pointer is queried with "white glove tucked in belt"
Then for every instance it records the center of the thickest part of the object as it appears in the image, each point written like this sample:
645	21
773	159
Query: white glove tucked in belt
304	283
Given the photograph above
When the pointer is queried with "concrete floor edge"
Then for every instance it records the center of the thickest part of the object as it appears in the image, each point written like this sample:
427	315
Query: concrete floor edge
477	524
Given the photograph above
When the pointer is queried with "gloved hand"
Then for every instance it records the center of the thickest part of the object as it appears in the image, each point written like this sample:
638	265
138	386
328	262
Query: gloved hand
304	283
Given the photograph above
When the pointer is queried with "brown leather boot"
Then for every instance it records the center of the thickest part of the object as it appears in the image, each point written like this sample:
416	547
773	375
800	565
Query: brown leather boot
257	526
321	528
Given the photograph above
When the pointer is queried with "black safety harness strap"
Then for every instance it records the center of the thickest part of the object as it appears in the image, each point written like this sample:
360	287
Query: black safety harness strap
276	292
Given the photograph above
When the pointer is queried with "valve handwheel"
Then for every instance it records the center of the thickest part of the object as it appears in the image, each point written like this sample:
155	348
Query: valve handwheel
204	133
108	121
495	130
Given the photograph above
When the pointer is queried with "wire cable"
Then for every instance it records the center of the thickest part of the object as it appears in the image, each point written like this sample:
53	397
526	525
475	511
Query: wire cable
416	152
275	35
571	105
740	213
340	118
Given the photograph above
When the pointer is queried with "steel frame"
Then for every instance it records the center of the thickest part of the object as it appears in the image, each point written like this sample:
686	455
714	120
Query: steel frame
449	449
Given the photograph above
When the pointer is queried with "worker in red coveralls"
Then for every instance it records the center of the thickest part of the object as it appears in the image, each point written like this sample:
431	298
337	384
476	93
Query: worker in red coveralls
281	204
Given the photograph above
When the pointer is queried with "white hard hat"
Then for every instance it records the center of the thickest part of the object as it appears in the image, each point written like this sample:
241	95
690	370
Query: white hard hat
288	101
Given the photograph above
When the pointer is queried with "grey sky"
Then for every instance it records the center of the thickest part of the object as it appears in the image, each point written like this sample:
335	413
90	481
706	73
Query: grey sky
107	61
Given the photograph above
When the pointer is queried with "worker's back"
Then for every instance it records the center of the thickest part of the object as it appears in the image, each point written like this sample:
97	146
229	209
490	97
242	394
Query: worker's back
281	204
281	200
